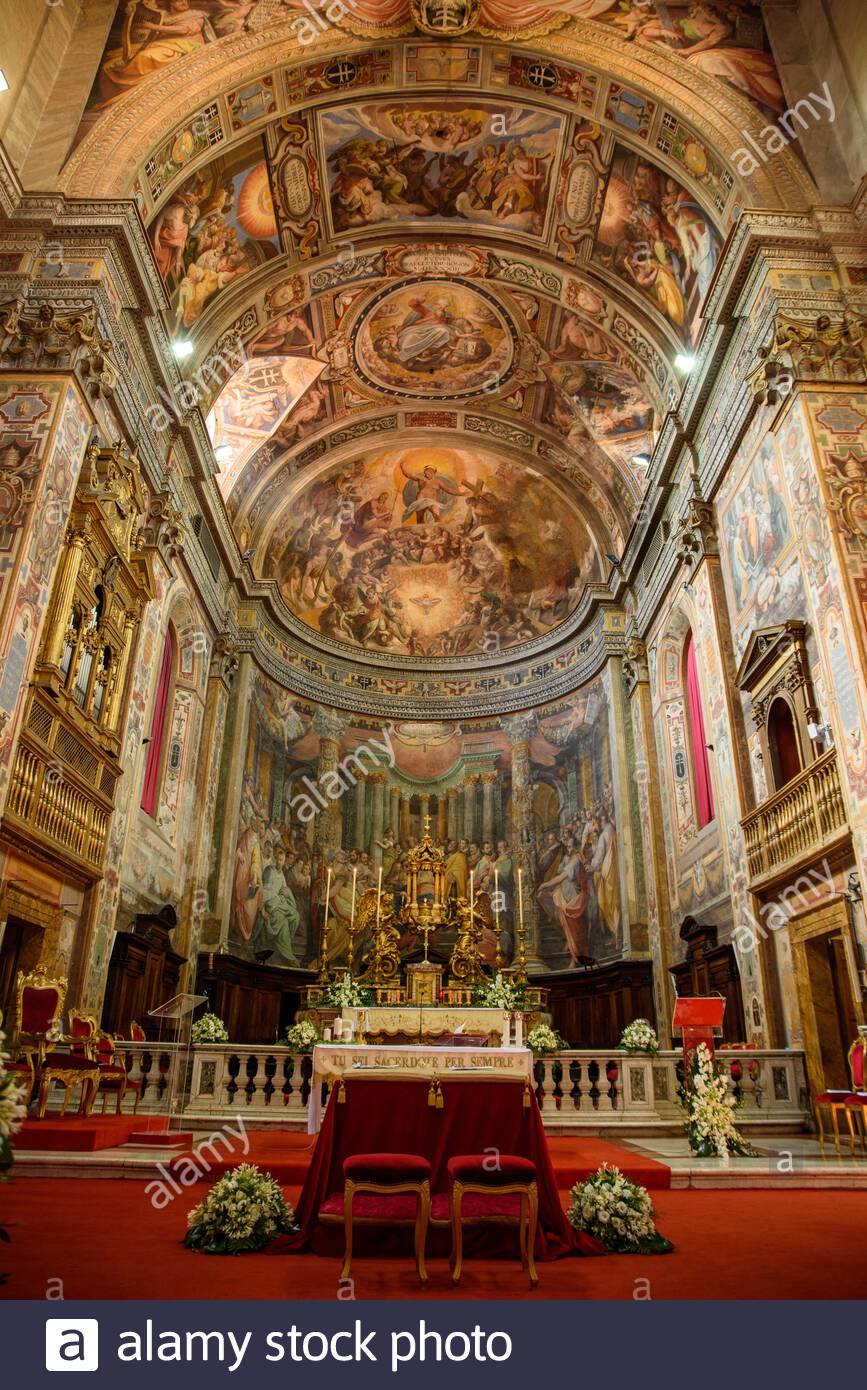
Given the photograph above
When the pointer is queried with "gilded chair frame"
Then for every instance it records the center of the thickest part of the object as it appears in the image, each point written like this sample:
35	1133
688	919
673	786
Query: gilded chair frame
88	1041
528	1220
858	1108
35	1046
395	1189
106	1091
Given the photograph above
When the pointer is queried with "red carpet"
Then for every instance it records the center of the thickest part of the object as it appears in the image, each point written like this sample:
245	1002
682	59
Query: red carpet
287	1156
103	1239
74	1134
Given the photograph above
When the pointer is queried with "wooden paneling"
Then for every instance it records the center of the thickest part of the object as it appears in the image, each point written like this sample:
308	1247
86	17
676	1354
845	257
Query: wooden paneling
590	1008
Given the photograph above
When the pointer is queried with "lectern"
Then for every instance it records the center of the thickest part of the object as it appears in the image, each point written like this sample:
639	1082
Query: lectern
698	1020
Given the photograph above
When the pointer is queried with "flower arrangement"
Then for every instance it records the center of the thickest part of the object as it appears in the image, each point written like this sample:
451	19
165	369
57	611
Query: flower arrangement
710	1119
639	1036
617	1212
302	1037
542	1039
209	1029
345	994
500	993
244	1210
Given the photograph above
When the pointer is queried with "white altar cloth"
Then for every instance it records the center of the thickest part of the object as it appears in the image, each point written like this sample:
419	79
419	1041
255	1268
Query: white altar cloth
331	1061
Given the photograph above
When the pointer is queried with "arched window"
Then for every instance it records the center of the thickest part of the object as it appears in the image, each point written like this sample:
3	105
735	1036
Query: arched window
783	743
159	727
698	741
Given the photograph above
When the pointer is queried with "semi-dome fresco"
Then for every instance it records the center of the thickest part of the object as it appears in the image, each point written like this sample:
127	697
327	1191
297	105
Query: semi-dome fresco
428	551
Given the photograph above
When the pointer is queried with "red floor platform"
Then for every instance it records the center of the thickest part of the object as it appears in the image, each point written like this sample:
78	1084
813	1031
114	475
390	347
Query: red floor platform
104	1239
75	1134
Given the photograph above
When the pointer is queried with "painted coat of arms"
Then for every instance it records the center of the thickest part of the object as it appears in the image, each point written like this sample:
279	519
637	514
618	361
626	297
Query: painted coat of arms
445	17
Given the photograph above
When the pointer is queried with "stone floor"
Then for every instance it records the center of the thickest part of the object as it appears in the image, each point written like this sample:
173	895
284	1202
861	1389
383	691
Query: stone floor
790	1160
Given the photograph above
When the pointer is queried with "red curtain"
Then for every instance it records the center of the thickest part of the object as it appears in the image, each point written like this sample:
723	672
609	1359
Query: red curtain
701	767
158	730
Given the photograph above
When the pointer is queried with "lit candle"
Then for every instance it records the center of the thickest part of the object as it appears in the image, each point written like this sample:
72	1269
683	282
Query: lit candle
521	897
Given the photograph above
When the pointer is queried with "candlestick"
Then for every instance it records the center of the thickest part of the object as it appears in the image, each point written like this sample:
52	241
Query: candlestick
378	895
351	932
501	959
323	949
521	975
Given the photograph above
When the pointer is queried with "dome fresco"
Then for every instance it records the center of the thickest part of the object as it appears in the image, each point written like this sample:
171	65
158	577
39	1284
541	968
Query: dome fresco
431	552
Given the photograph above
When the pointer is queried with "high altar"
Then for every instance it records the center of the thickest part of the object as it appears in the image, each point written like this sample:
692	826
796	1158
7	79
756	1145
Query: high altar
422	955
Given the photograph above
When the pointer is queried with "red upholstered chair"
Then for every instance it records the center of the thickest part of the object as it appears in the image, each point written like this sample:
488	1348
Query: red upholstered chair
507	1194
82	1031
395	1178
856	1103
38	1010
846	1102
136	1032
113	1078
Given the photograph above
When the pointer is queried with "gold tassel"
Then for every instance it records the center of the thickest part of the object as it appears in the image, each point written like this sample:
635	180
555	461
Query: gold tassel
440	1101
341	1092
526	1095
432	1093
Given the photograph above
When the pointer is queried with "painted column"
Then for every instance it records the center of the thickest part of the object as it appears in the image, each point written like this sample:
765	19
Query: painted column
362	839
520	730
470	808
424	808
326	836
377	780
636	674
394	812
489	780
452	813
60	607
442	817
404	818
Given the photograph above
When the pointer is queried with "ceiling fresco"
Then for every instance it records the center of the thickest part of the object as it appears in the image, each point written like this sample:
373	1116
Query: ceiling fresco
431	552
461	268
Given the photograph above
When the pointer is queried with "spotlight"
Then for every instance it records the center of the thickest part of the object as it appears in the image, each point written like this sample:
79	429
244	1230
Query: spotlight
641	460
684	362
182	347
612	559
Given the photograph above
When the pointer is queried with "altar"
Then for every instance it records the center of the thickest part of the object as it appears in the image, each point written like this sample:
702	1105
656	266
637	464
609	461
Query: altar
335	1063
430	1024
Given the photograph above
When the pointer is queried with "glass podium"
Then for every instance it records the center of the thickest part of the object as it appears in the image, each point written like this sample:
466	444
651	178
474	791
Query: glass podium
175	1021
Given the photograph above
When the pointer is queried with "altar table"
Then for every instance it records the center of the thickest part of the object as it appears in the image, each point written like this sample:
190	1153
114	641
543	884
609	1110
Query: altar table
391	1114
427	1022
333	1061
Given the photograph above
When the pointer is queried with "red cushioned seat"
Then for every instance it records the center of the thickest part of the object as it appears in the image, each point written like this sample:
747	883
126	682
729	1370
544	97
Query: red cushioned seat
477	1206
386	1168
857	1098
67	1061
476	1168
834	1098
402	1207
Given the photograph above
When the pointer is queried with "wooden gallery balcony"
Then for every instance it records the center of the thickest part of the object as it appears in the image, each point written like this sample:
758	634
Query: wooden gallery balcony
806	819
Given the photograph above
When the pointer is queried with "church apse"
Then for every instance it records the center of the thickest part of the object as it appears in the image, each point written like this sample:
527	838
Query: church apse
322	790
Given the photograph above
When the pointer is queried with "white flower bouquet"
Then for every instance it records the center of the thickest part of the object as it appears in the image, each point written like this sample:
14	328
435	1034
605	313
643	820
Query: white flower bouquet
500	993
13	1105
244	1210
542	1040
617	1212
209	1029
345	994
639	1036
302	1037
710	1118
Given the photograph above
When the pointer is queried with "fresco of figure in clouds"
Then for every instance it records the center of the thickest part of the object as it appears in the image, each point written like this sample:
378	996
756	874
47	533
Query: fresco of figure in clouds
425	551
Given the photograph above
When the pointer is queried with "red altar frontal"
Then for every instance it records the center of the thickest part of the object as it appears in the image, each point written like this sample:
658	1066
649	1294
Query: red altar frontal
393	1115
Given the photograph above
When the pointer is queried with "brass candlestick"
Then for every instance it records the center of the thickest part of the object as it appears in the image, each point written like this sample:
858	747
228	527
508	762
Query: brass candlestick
521	973
500	959
324	977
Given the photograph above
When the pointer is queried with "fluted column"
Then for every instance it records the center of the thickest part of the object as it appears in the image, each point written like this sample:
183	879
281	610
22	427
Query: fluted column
115	693
452	813
60	607
361	835
404	817
394	811
489	782
470	807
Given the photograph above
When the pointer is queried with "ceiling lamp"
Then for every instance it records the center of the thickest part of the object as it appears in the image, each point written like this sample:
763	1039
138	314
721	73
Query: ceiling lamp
684	362
182	347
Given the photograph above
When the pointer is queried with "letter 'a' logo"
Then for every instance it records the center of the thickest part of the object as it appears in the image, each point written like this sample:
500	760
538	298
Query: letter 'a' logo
71	1344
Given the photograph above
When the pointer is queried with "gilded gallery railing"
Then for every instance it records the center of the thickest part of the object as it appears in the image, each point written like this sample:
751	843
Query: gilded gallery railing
797	822
576	1088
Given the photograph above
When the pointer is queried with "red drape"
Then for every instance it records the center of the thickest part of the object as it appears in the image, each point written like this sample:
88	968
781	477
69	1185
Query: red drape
383	1115
158	731
701	766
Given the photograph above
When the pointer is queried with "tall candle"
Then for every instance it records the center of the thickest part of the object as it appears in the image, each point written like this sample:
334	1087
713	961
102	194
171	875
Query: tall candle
327	895
352	909
472	897
497	896
521	897
378	895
